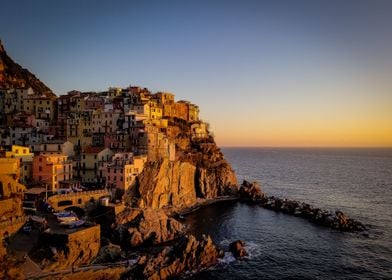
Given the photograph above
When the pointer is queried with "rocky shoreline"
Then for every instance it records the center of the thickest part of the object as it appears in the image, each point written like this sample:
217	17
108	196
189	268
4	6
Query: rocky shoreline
251	192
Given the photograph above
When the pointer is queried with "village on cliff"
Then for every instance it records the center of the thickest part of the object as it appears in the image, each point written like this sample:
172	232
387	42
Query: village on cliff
88	177
89	180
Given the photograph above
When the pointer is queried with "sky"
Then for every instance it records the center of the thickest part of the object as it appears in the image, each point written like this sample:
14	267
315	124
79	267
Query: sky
265	73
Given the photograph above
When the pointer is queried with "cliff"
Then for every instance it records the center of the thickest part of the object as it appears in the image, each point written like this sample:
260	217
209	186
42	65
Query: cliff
12	75
199	170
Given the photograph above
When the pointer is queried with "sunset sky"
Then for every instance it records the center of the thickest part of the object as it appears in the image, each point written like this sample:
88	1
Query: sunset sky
264	73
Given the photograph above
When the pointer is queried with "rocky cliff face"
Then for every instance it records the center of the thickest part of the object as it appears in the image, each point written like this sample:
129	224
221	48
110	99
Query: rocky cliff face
198	171
12	75
165	183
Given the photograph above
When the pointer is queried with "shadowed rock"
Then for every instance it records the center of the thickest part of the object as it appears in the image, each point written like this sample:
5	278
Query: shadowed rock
188	254
237	248
338	220
138	227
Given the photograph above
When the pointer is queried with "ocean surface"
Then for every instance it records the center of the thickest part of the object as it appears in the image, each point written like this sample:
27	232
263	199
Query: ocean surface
356	181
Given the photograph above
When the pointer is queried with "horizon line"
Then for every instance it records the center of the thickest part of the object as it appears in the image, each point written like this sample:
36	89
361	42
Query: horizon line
311	147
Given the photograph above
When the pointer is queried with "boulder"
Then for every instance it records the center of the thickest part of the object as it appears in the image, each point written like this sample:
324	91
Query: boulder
188	254
251	191
237	248
109	253
148	226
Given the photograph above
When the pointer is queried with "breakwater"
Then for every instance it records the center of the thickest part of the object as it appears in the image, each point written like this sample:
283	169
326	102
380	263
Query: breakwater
251	192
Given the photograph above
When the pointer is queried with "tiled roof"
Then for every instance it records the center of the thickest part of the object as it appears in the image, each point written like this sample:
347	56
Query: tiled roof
93	150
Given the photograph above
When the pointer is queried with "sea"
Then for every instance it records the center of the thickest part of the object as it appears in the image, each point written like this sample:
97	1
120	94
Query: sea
280	246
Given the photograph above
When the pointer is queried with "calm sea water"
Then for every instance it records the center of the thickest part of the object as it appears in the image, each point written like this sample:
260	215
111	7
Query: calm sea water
357	181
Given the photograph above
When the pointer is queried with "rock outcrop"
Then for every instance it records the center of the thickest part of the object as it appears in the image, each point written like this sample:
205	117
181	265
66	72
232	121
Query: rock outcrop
198	171
136	227
250	191
59	251
12	75
237	248
187	255
165	183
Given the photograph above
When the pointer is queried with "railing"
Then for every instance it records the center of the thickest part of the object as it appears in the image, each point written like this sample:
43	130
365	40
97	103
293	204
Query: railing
78	194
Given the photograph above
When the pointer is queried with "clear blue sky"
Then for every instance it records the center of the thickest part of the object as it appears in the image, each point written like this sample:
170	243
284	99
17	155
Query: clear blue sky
265	73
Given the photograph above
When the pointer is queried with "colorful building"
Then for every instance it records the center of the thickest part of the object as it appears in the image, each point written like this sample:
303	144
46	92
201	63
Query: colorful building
93	160
123	169
25	160
51	168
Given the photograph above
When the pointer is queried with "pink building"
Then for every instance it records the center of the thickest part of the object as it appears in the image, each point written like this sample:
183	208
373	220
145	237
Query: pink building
123	170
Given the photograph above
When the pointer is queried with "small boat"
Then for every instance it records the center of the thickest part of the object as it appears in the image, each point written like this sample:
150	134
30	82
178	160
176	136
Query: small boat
66	216
77	224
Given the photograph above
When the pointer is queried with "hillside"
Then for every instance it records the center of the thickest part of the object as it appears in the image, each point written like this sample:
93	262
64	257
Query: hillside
12	75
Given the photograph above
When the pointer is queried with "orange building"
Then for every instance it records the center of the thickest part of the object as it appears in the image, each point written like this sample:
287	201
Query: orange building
52	168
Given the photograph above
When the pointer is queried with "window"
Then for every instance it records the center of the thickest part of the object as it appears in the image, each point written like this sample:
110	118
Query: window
114	178
108	178
121	178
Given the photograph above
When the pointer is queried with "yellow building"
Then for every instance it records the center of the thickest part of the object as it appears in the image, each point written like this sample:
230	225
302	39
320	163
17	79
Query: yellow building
11	167
114	92
52	168
193	114
26	161
41	106
156	111
78	102
79	128
93	160
163	98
